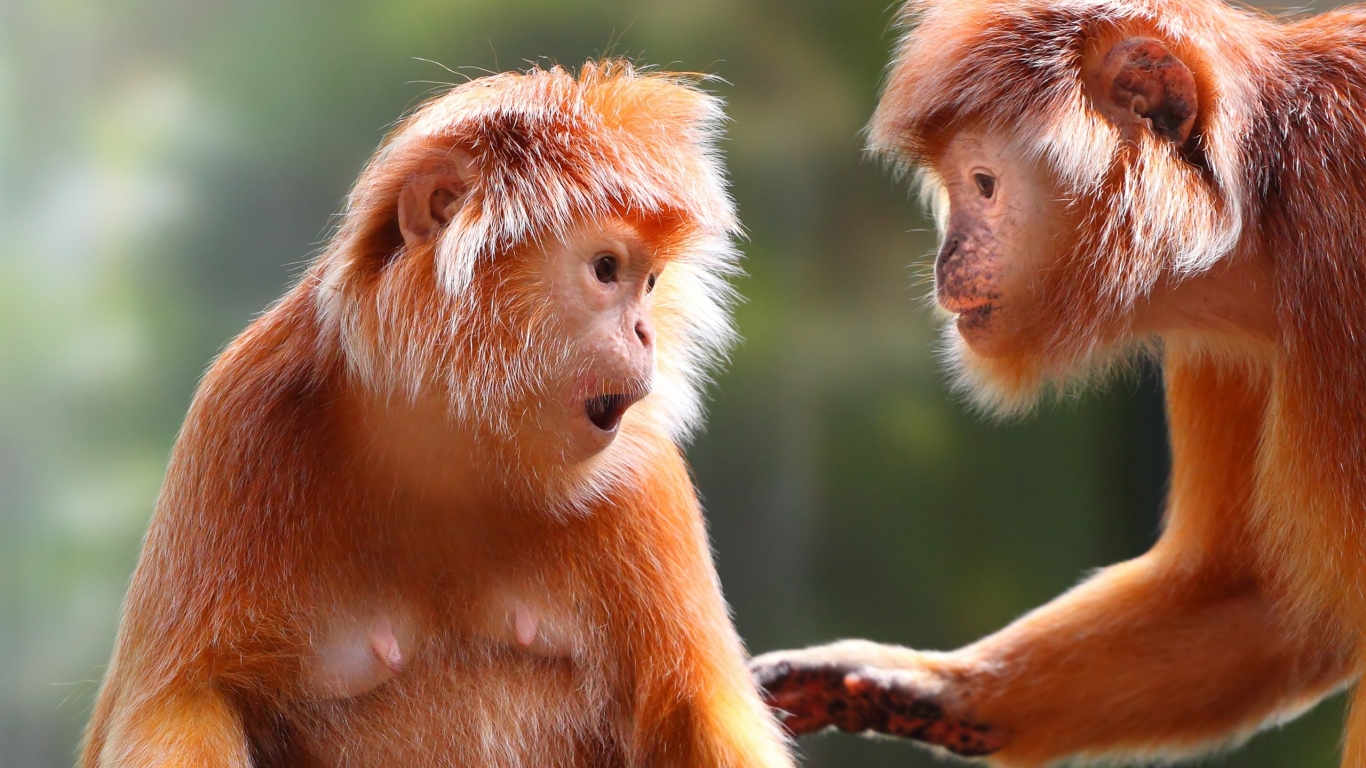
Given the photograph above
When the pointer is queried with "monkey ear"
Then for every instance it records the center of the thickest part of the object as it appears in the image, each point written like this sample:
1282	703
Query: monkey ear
431	198
1139	82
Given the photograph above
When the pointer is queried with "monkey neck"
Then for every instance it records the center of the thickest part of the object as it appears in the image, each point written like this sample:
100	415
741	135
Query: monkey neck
1234	300
417	459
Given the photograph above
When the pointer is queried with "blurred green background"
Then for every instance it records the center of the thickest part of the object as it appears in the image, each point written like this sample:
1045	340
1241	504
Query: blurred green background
167	166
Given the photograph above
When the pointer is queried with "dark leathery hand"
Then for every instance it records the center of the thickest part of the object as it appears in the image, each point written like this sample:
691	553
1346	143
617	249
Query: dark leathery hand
811	698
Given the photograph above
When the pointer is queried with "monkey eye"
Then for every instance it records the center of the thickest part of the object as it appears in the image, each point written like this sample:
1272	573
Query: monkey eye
605	268
986	184
650	283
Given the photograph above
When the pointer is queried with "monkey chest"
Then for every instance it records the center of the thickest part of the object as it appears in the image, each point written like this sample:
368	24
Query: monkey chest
490	705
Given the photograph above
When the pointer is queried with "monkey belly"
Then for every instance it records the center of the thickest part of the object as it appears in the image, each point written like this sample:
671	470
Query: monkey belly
493	706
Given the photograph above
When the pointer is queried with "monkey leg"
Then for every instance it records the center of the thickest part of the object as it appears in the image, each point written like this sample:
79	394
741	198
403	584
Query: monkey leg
1145	658
189	729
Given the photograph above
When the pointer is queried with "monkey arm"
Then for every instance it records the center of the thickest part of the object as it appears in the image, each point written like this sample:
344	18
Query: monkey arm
181	729
1170	652
696	705
1136	659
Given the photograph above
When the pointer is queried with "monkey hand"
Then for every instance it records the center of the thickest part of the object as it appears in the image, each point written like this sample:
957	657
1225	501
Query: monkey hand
817	688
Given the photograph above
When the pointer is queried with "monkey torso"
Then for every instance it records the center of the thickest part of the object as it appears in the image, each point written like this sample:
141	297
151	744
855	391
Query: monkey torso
508	659
510	639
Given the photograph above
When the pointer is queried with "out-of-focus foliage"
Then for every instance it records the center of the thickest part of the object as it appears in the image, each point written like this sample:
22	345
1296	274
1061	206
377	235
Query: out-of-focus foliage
167	166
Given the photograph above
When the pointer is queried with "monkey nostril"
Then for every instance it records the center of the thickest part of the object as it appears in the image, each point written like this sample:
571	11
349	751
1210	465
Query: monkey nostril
644	333
950	247
946	252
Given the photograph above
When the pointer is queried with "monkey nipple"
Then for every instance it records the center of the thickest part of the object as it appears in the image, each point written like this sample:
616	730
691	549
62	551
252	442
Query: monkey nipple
355	660
531	625
524	625
385	647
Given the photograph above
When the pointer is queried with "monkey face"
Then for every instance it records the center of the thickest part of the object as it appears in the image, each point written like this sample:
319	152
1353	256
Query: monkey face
572	330
1002	219
598	282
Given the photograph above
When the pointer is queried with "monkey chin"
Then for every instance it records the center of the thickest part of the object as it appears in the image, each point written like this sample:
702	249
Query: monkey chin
978	329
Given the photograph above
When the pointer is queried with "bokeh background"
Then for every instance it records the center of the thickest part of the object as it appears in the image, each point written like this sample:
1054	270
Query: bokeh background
167	166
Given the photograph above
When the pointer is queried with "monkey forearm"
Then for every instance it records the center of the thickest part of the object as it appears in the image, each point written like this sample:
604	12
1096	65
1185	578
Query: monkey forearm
739	731
1087	674
721	723
698	706
723	728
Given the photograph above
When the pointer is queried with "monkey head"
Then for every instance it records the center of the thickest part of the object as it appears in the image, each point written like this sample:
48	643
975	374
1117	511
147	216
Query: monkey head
599	278
539	261
1088	185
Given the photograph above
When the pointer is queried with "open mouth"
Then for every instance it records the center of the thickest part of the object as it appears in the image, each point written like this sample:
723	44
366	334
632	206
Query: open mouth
605	411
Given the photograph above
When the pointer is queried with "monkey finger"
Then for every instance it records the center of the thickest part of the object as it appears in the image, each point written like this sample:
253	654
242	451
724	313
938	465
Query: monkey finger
776	676
808	698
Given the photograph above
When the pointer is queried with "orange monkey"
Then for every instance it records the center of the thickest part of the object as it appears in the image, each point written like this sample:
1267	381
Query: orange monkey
1190	178
431	508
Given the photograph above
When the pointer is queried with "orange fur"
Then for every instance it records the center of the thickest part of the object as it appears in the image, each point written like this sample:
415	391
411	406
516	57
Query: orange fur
1232	250
522	609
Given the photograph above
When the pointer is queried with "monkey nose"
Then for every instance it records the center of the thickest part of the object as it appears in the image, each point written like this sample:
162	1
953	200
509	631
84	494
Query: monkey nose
645	333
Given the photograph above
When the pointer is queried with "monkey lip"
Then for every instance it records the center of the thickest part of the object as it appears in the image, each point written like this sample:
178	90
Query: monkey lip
980	311
605	411
969	310
961	304
963	297
976	320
